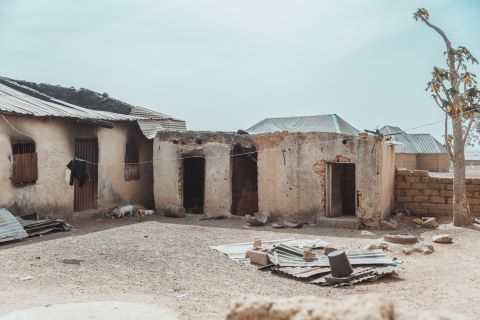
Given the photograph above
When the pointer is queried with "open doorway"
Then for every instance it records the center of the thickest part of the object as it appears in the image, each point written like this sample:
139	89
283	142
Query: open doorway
341	189
244	180
193	184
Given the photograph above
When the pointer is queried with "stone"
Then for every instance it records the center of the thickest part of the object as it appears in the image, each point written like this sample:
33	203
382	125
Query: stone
430	223
354	307
389	225
308	254
442	238
400	238
174	211
258	219
377	245
424	248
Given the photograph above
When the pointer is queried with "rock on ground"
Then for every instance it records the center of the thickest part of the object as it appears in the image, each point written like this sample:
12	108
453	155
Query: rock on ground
442	238
360	307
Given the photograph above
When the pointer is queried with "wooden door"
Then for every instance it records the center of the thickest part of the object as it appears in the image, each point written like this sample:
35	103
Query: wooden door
334	190
85	197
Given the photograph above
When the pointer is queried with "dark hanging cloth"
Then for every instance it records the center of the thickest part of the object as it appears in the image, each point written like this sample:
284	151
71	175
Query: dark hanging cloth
78	170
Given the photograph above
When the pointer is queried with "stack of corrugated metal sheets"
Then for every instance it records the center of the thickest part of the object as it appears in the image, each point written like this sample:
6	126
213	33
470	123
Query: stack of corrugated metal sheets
286	257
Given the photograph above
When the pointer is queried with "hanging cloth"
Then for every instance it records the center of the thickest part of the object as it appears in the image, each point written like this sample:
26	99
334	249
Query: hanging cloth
78	171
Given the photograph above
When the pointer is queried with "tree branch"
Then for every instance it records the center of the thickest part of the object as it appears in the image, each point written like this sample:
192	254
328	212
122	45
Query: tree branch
441	32
447	143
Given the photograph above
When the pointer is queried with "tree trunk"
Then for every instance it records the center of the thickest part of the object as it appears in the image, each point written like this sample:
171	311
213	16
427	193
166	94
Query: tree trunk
461	210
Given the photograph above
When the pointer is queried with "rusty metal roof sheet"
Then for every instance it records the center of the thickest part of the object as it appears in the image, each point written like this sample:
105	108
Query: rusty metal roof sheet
151	127
320	123
10	228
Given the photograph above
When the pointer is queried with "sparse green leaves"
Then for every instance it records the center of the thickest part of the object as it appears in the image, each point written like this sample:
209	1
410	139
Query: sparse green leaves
421	14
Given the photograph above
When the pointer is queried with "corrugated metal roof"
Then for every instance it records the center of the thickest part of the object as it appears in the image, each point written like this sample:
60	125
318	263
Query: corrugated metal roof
319	123
413	143
14	101
17	102
10	228
151	127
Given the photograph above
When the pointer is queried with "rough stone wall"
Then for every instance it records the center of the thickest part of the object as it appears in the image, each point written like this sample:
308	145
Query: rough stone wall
291	171
424	195
55	140
168	181
292	182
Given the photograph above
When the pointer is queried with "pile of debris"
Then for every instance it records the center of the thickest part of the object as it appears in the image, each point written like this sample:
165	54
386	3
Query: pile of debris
313	261
17	228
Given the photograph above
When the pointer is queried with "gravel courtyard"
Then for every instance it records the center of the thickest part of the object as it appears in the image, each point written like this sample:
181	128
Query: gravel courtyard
168	262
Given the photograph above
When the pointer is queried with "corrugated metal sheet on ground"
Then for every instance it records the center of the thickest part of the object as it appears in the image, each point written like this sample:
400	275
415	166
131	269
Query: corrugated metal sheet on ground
236	251
320	123
10	228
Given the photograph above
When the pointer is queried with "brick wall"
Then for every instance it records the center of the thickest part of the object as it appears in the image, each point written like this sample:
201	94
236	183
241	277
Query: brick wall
424	195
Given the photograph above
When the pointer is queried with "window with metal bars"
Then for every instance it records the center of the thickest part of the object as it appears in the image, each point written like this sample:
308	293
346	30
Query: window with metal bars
24	169
132	159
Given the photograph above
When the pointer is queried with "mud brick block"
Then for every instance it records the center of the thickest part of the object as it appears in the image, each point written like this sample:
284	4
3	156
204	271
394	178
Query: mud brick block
400	179
412	205
430	192
420	199
445	206
438	212
475	181
474	201
427	179
450	200
420	212
412	192
258	257
403	199
427	205
436	186
436	199
420	173
412	179
403	185
444	180
419	186
446	193
449	187
404	172
473	187
475	210
400	192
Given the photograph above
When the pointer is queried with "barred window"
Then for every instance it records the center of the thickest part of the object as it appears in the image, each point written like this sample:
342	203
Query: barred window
24	170
132	166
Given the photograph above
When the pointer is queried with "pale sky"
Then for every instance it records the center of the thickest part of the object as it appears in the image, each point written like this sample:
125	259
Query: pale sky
227	64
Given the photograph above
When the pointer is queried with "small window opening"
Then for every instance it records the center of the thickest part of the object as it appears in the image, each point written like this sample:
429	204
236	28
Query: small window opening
132	165
24	170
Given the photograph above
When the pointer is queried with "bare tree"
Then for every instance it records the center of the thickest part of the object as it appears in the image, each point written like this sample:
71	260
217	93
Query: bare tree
455	91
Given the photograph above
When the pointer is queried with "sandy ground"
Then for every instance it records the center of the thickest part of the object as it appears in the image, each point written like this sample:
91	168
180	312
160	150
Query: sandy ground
167	262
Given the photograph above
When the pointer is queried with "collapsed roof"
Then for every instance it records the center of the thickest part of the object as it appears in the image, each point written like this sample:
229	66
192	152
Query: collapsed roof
23	98
319	123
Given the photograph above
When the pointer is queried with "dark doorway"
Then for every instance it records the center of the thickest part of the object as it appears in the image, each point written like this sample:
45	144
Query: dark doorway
244	180
341	189
193	184
85	197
